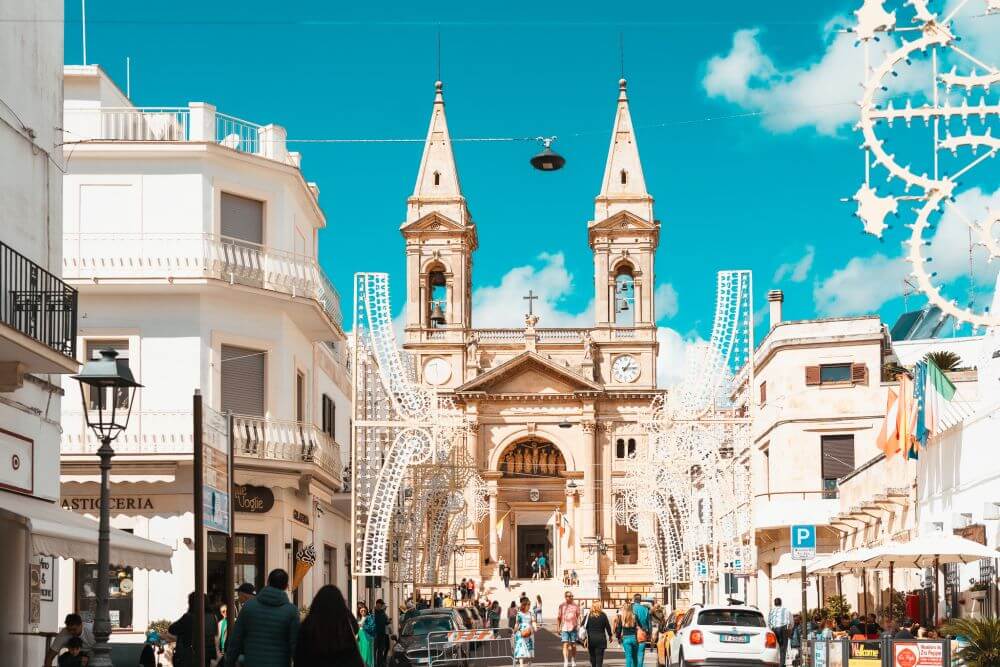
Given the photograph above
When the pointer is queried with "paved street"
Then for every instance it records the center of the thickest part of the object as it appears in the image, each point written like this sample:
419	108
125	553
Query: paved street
548	653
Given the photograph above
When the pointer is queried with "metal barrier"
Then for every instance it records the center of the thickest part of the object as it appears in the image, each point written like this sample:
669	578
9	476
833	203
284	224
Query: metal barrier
878	653
461	647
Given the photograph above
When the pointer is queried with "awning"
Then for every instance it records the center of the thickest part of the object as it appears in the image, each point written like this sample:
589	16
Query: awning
790	568
59	532
927	550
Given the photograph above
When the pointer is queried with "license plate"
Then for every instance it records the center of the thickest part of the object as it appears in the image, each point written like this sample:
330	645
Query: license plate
734	639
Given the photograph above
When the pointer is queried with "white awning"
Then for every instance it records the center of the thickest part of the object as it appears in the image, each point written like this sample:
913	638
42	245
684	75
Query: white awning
59	532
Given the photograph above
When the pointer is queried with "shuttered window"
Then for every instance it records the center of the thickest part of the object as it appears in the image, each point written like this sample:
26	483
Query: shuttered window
763	393
838	460
94	348
859	374
845	373
329	417
242	218
243	380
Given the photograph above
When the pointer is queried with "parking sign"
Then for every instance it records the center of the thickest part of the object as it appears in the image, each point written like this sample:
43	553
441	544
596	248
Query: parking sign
803	540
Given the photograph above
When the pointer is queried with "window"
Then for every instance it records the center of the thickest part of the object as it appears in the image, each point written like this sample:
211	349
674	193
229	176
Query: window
241	219
620	448
838	461
329	565
300	397
438	301
119	594
243	380
437	178
631	448
100	398
329	417
837	374
738	617
763	393
624	177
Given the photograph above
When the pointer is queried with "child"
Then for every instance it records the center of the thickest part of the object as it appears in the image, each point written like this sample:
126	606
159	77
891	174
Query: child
73	656
148	656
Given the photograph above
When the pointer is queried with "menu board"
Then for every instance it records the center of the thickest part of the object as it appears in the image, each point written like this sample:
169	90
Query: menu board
917	654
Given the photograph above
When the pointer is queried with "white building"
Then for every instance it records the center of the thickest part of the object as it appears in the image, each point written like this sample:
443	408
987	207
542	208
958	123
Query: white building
192	239
38	320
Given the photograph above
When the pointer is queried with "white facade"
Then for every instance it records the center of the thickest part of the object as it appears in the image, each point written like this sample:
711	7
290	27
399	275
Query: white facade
192	237
31	359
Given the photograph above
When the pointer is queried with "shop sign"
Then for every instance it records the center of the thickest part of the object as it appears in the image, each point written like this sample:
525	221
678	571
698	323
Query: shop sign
975	532
819	654
300	517
16	462
45	578
119	503
917	654
252	499
865	654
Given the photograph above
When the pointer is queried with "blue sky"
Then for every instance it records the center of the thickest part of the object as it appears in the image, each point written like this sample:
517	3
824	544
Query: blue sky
760	192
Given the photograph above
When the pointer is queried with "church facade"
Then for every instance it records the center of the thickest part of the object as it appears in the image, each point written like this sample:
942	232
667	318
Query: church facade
556	412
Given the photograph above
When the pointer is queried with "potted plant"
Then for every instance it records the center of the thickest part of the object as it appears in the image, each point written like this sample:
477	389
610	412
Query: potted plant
978	590
981	639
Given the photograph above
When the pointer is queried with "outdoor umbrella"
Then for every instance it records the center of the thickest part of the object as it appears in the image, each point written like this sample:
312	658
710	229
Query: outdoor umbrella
925	550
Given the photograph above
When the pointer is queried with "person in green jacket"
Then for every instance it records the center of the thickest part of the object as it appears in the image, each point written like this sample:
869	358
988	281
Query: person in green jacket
264	633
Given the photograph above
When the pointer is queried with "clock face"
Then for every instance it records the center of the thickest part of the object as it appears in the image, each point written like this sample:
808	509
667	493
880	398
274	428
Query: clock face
437	371
625	369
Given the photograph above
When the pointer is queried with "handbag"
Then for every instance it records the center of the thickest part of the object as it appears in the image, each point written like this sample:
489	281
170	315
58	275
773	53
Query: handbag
641	635
526	632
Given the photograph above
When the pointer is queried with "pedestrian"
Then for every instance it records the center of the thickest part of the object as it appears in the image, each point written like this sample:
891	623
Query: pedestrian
643	630
381	622
365	635
471	586
267	628
184	630
494	615
524	634
244	593
543	566
222	631
795	638
505	573
512	614
598	630
328	635
73	657
538	610
73	626
872	629
534	568
905	630
626	629
439	600
779	619
150	647
462	589
568	622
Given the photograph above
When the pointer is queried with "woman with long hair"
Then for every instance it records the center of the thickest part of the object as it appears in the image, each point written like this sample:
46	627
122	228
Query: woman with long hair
366	644
524	634
538	610
598	633
626	632
327	635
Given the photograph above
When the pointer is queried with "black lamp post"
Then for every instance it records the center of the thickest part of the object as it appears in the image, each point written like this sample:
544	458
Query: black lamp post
107	406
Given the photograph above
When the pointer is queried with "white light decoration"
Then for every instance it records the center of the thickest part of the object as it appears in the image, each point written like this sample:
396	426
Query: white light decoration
690	499
397	424
928	37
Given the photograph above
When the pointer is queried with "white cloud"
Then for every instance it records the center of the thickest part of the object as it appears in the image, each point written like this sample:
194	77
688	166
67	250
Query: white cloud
665	301
503	305
674	350
798	270
865	283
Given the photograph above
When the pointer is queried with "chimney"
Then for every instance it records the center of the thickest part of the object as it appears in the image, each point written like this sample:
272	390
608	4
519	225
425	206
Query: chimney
775	298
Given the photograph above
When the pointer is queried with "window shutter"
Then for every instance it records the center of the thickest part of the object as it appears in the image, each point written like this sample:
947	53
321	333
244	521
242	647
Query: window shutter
859	373
838	455
763	393
812	375
241	218
243	380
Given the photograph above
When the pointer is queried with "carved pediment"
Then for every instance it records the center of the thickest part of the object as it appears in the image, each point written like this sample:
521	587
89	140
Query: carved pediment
624	220
529	373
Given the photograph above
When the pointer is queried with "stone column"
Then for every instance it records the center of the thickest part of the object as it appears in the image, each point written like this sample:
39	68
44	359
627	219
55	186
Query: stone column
574	518
593	445
588	528
493	522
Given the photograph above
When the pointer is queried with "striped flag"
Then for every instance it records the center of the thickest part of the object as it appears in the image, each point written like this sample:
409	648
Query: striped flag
563	524
888	437
920	433
939	389
907	414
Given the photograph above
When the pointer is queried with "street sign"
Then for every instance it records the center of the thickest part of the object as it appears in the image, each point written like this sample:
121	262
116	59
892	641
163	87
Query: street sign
803	540
701	569
216	471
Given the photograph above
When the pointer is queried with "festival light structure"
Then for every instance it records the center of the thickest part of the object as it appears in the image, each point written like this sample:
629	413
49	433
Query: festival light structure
959	98
689	500
410	483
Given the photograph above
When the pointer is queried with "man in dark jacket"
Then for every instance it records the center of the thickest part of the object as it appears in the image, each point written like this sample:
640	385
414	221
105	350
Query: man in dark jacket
381	633
264	634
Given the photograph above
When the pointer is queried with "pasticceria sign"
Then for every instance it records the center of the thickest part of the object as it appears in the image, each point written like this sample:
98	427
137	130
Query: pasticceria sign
116	503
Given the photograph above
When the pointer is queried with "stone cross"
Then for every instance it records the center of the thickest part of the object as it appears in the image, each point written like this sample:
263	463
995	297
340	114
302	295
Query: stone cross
530	299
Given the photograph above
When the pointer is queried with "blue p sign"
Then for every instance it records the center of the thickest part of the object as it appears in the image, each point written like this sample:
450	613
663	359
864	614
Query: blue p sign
803	540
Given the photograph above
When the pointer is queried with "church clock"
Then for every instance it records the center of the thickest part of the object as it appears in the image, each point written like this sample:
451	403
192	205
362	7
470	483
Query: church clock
625	369
437	371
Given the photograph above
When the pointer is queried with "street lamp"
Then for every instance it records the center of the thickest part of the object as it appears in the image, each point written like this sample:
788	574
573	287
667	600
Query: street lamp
110	392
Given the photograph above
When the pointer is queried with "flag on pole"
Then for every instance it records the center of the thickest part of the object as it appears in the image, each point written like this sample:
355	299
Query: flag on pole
939	389
563	524
500	524
907	415
888	437
920	397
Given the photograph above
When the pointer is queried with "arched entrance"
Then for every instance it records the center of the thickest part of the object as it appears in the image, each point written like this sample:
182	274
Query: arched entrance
532	485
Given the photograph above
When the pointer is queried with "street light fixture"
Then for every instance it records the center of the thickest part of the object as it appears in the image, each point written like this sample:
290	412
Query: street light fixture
110	392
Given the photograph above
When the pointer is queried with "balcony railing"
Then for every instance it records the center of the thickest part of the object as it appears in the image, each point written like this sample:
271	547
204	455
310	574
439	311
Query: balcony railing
37	303
171	256
292	441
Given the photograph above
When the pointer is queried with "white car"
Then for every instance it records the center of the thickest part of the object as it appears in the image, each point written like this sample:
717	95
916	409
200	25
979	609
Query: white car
723	635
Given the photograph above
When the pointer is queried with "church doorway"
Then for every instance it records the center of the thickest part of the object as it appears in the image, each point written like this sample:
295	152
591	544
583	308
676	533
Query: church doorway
533	541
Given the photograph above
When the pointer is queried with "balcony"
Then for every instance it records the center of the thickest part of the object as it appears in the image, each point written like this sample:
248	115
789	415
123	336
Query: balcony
176	257
290	441
37	316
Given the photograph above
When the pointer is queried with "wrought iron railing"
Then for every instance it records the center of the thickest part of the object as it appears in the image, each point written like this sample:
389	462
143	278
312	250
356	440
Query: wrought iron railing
37	303
292	441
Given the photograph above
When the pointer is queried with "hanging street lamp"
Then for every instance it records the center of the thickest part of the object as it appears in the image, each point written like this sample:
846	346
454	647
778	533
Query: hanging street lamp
547	159
107	389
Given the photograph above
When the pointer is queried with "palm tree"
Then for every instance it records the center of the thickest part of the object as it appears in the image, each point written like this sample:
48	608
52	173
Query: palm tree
983	636
946	360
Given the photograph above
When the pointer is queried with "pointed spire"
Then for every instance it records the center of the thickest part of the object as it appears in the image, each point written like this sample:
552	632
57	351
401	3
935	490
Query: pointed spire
624	186
437	187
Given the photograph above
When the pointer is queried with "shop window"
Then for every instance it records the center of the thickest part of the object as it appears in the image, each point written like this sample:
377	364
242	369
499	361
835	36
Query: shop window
119	598
249	554
101	398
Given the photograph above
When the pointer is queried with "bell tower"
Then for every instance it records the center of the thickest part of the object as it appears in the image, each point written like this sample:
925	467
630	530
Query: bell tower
624	236
440	239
